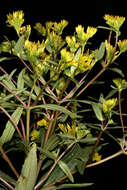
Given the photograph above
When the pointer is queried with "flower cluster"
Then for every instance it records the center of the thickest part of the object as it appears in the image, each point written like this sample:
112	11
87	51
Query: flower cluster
108	105
73	130
120	83
84	36
16	20
115	22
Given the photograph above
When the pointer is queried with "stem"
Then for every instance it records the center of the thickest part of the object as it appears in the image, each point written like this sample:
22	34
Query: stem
32	89
7	74
13	122
6	183
120	110
27	124
75	88
105	159
8	161
95	146
18	98
48	88
23	128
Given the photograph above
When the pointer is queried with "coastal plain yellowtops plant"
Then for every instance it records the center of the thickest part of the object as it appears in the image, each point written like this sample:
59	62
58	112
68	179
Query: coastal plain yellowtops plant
51	118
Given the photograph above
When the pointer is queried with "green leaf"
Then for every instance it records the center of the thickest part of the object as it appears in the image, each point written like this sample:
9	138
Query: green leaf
47	153
64	167
56	107
19	46
10	129
117	70
27	178
97	111
80	185
100	53
20	81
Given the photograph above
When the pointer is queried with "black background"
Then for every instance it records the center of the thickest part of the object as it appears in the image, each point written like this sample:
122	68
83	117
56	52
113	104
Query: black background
112	174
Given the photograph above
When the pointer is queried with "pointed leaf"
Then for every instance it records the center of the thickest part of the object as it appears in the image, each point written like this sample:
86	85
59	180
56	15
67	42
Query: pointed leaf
56	107
97	111
66	170
100	53
9	129
19	46
66	186
20	82
27	178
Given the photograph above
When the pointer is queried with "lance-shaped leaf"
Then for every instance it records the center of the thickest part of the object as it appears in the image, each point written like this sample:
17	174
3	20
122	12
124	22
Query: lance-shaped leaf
10	129
56	107
98	111
66	170
27	178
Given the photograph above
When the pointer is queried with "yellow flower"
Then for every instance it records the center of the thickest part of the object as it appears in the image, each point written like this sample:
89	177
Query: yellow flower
84	36
70	130
80	33
108	105
91	31
120	83
55	41
96	157
115	22
66	56
41	29
16	20
58	27
34	134
6	46
71	41
122	45
110	51
43	123
86	62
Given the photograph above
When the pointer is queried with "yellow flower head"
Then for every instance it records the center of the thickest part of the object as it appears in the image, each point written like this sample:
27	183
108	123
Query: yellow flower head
66	56
35	135
35	48
115	22
110	51
70	130
84	36
6	46
43	123
86	62
108	105
41	29
71	41
58	27
91	31
96	157
16	20
120	83
122	45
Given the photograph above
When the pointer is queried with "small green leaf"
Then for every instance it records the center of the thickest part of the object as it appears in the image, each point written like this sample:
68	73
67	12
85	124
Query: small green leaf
117	70
20	82
27	178
98	111
56	107
80	185
66	170
9	129
100	53
19	46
